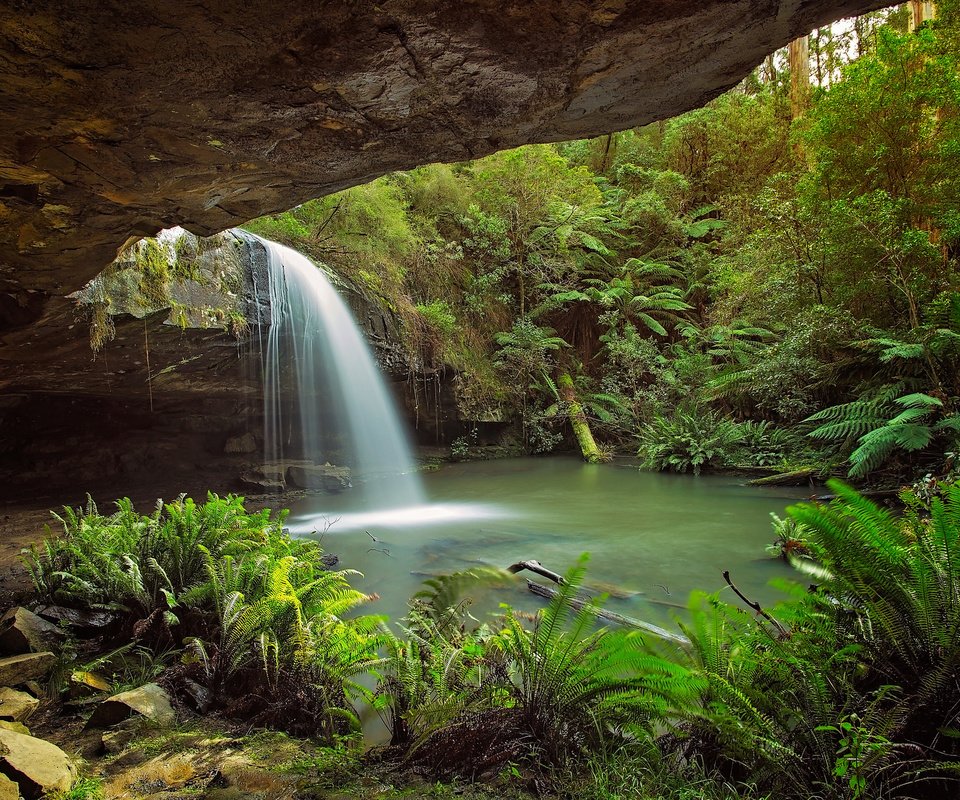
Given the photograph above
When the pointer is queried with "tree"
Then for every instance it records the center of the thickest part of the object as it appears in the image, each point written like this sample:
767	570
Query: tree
799	76
920	12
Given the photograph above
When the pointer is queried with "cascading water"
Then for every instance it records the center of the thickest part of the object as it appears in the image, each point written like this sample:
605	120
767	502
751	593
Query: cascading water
324	397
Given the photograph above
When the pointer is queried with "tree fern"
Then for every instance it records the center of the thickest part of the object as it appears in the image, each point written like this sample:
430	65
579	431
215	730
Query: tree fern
884	425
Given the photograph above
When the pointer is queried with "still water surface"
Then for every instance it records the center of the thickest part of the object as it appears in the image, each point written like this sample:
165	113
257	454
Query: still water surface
659	536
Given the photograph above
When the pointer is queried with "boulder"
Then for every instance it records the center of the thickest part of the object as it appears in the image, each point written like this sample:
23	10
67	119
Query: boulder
15	670
22	631
245	443
16	706
263	479
37	767
149	701
326	477
8	789
16	727
75	618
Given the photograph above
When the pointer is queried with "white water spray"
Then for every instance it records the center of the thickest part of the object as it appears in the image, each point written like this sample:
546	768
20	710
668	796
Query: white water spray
324	396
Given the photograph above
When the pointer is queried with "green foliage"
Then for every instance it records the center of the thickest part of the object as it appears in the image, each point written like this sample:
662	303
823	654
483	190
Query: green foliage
689	441
897	583
137	564
440	669
761	444
575	685
242	595
558	690
84	788
883	425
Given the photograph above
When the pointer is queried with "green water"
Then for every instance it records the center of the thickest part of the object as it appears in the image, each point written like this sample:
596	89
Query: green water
659	536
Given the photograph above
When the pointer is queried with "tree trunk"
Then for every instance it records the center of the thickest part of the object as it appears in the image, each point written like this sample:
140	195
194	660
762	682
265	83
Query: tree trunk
591	453
770	70
920	12
799	76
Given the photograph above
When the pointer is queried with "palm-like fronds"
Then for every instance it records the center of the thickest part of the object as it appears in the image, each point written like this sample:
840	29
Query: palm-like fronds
575	685
254	599
884	424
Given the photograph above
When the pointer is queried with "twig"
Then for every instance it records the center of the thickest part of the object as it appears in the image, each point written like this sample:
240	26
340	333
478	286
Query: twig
755	606
328	219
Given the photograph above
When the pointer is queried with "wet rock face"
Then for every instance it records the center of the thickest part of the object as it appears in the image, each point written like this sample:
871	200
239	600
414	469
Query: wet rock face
207	114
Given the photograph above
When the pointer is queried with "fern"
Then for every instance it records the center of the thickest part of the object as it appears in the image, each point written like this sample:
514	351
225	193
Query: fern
689	441
884	425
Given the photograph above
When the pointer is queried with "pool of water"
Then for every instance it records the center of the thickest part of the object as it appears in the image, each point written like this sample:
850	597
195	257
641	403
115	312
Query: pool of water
655	536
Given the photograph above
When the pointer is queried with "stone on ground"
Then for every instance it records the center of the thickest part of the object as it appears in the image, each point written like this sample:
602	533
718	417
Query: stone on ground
22	631
16	706
264	478
38	767
15	670
148	701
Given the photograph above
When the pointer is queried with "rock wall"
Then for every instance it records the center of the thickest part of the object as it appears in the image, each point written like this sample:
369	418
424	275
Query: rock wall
119	120
71	418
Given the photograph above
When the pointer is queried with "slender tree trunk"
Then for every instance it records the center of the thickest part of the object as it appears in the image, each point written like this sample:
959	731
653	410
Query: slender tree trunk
799	76
920	12
770	70
588	446
609	151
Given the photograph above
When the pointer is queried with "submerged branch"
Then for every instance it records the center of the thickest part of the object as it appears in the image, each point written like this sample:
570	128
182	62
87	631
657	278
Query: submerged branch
611	616
754	605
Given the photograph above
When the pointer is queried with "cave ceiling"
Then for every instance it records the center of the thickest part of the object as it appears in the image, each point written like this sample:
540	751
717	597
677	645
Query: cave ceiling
118	118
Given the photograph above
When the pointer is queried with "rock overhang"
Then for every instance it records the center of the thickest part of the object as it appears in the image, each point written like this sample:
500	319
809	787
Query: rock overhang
118	121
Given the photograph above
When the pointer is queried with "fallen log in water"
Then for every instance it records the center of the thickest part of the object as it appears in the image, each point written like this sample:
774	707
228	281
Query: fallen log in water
881	494
798	477
611	616
532	565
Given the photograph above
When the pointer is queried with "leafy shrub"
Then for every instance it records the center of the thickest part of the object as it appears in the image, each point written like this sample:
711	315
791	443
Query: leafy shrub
465	701
442	667
789	539
576	686
763	445
688	441
253	606
137	564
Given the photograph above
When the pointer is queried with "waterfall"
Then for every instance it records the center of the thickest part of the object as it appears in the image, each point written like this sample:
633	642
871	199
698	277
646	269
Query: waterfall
325	400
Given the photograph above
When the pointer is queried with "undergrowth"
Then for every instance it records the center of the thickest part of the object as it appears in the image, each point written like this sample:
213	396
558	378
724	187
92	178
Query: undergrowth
847	689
